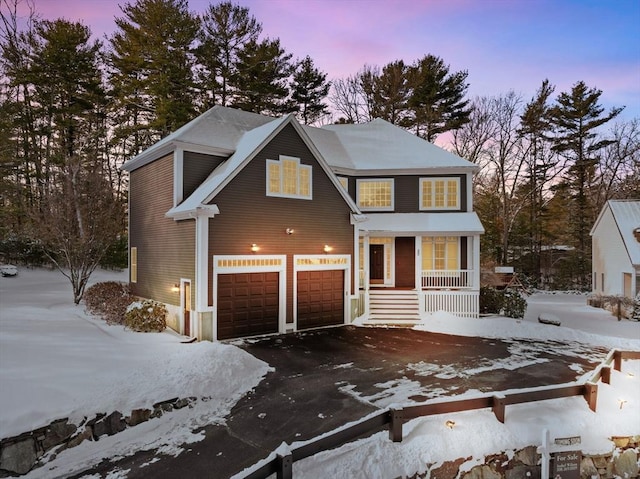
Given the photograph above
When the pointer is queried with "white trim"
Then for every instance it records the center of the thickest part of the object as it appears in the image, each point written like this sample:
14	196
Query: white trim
178	176
193	326
300	167
271	263
359	181
323	262
201	264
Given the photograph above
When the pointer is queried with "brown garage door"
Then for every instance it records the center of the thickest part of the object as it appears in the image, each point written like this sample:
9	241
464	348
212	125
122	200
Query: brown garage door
320	298
248	304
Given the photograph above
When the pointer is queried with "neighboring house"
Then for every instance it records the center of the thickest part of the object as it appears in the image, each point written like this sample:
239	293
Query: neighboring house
244	224
616	249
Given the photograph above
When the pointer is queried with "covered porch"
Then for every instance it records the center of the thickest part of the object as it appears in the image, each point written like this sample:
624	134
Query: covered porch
415	264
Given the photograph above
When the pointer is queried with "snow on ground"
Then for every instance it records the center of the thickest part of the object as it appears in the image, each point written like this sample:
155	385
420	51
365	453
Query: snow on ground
57	361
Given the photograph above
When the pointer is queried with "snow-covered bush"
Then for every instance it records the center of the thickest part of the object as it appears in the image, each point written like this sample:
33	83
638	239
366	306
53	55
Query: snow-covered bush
490	300
146	316
635	314
514	305
109	300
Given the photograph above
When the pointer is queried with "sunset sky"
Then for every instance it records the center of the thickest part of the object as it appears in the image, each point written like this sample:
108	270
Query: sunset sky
504	44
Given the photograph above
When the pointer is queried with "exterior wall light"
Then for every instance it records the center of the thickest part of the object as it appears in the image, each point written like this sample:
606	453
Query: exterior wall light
289	231
255	248
175	288
327	248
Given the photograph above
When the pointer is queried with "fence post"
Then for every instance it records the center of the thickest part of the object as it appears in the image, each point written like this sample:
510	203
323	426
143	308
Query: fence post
498	407
591	395
617	360
395	425
284	464
606	374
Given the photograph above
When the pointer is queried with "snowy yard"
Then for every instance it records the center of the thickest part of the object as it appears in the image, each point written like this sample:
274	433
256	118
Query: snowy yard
56	361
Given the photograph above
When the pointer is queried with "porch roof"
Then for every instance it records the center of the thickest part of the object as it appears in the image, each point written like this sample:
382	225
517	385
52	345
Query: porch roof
424	224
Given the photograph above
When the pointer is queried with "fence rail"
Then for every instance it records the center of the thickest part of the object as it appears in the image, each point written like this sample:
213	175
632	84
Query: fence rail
447	278
281	463
460	303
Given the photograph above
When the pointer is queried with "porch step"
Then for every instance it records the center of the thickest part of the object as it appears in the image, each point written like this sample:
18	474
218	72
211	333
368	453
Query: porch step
393	307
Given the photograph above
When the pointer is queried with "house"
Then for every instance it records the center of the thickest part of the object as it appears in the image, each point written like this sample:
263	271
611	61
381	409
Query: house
243	224
616	249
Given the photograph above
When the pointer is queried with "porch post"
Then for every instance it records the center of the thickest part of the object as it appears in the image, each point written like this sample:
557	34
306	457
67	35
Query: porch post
365	267
476	262
418	263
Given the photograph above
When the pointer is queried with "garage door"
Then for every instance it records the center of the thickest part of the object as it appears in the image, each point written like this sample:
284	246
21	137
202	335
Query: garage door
320	298
248	304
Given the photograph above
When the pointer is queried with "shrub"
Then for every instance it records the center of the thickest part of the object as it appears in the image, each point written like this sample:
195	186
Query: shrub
146	316
490	300
514	305
109	300
635	314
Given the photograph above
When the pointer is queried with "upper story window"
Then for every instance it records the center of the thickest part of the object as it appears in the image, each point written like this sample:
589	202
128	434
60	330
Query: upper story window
375	194
439	193
288	178
344	181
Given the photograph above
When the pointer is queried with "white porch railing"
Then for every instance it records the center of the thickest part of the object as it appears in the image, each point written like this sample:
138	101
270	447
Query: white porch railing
460	303
447	279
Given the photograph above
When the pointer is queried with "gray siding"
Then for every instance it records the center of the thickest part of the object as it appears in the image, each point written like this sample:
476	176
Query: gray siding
166	248
196	168
248	216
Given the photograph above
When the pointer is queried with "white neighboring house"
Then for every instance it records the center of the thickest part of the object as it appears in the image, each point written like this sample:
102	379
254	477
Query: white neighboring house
616	249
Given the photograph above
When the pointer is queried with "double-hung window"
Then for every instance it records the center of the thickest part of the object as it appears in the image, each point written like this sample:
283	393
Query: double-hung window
375	194
441	253
287	177
439	193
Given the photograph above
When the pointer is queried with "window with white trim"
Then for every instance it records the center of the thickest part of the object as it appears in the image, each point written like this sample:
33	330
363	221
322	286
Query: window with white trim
375	194
134	265
344	181
287	177
441	253
439	193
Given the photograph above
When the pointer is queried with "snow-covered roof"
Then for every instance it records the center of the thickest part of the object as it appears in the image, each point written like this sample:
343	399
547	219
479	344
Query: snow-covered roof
216	131
419	223
379	145
249	145
626	214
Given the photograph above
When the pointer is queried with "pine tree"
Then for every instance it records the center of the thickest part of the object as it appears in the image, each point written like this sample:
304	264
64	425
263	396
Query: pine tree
576	117
387	92
437	102
226	30
152	63
309	88
261	79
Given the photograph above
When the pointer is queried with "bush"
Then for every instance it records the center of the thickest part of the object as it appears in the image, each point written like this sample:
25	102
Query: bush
514	305
109	300
490	300
635	314
146	316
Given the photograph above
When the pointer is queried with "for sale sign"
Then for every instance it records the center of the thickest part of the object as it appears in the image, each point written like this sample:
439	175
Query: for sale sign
566	465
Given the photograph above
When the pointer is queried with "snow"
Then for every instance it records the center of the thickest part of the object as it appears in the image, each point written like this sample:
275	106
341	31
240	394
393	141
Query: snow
57	361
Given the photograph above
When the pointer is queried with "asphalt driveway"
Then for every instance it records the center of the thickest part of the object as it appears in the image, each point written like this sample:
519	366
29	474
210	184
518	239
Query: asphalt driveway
326	378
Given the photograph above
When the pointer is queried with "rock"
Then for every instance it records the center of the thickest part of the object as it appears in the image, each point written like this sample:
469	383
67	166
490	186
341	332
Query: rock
138	416
18	457
86	434
528	456
523	472
588	468
448	469
626	464
57	433
482	472
109	425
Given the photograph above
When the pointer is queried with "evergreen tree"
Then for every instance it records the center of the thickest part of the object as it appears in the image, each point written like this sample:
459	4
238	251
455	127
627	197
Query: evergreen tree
387	92
261	79
226	30
576	117
152	63
437	102
309	88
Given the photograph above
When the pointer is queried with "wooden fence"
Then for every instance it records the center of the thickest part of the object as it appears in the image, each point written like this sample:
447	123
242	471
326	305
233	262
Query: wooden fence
281	462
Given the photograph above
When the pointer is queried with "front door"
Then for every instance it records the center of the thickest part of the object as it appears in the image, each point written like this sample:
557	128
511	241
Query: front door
405	262
186	311
376	263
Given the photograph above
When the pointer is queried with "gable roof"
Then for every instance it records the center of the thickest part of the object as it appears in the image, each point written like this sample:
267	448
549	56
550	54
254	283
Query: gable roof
249	145
380	145
626	215
216	131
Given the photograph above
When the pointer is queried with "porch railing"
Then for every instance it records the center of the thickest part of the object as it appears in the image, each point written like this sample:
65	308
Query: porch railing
447	278
460	303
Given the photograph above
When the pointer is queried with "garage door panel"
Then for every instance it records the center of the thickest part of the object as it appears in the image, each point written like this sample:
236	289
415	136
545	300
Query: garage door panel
248	304
320	298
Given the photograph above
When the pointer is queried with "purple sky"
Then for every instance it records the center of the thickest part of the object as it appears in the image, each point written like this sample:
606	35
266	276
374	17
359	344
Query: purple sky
504	44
